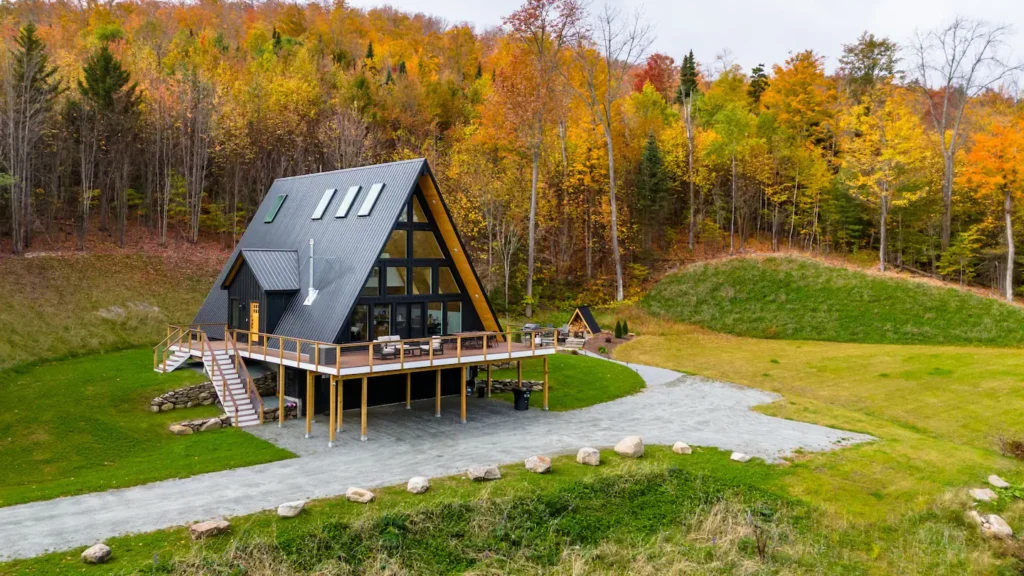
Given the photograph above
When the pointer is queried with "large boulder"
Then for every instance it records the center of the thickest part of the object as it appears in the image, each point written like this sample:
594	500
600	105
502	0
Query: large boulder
179	430
418	484
983	494
291	509
995	527
998	482
166	406
538	464
96	554
359	495
630	447
211	424
209	528
740	457
482	473
682	448
589	456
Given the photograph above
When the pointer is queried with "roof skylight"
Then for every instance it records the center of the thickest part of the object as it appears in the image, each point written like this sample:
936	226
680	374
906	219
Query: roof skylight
347	201
371	199
274	208
325	200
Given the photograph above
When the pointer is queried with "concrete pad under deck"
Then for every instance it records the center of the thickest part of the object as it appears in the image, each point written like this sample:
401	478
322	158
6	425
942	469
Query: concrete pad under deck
404	443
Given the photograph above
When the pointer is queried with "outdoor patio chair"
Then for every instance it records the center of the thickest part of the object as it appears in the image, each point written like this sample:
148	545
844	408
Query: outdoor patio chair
436	343
387	347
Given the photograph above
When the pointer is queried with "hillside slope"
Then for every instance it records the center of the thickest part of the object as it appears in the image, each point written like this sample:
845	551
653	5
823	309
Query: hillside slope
52	306
797	299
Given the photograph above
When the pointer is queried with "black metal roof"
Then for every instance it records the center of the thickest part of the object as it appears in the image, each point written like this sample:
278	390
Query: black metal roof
344	248
275	270
588	317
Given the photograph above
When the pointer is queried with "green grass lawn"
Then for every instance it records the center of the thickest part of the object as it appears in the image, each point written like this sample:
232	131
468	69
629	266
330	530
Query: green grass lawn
575	381
83	425
662	514
794	299
54	307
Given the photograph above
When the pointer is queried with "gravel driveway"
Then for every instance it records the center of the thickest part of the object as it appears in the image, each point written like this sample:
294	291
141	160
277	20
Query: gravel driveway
404	443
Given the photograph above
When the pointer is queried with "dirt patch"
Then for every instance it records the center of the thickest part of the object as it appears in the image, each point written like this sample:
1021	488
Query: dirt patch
606	340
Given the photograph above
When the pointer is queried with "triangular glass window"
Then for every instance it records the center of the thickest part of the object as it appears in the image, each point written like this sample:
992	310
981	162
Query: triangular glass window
418	215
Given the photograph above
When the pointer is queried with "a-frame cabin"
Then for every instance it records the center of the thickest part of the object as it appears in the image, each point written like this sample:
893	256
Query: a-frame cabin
348	275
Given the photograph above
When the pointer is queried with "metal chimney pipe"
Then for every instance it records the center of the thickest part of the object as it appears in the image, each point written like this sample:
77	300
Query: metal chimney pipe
311	265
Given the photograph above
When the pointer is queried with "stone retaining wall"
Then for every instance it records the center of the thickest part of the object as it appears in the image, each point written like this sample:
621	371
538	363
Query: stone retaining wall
291	410
200	425
204	394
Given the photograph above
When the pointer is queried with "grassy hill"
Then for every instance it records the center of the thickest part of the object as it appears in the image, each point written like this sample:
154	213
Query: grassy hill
794	299
55	306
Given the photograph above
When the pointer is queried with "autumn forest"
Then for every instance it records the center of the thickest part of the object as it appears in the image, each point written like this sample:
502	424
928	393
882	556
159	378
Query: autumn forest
578	162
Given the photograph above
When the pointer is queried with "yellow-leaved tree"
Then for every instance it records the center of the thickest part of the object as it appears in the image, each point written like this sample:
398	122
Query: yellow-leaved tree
885	153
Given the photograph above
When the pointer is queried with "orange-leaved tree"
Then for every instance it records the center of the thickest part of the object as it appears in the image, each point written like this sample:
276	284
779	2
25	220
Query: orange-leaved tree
995	170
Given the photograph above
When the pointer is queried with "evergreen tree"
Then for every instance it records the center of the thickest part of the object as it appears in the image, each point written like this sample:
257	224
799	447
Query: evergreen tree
401	68
758	83
105	86
651	187
625	328
388	80
479	71
688	87
369	50
618	329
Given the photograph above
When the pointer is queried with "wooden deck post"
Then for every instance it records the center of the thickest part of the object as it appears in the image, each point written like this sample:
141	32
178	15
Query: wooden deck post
488	380
333	412
341	403
437	402
408	390
362	434
309	404
519	372
545	382
462	393
280	395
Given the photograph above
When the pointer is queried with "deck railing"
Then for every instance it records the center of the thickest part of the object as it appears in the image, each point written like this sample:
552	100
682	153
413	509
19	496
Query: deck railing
206	348
395	354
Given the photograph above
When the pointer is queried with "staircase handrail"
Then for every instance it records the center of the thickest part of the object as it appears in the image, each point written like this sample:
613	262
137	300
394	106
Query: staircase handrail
205	344
243	371
175	334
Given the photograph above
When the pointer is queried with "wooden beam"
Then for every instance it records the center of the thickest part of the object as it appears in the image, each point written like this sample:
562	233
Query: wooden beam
280	395
333	412
545	382
362	427
519	371
341	403
437	402
408	390
462	393
488	380
309	403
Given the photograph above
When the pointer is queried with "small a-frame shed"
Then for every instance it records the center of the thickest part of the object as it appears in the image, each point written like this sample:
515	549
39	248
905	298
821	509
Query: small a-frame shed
582	321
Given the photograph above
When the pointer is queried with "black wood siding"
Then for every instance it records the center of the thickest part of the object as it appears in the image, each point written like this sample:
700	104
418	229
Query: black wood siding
246	289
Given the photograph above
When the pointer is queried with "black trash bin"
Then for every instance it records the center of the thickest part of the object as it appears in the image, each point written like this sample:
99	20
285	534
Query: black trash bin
521	398
481	391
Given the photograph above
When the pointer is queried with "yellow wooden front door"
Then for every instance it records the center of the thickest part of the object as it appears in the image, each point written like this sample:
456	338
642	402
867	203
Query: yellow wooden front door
254	322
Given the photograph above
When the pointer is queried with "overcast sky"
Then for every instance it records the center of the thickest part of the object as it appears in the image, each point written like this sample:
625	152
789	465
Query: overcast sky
758	31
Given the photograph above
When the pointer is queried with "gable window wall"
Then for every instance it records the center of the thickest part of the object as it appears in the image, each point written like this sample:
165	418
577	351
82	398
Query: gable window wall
413	291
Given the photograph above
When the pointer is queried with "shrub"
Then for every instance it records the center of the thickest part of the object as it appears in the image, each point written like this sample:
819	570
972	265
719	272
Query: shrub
625	328
618	329
602	350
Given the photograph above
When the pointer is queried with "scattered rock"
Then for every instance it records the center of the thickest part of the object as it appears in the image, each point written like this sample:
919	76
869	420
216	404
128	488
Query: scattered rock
166	406
418	484
740	457
208	528
998	482
974	517
359	495
96	554
154	408
211	424
589	456
983	494
179	430
291	509
630	447
682	448
538	464
995	527
481	473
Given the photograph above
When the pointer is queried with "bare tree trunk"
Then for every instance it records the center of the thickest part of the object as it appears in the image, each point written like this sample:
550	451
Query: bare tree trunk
688	123
947	197
533	224
882	231
732	218
1010	251
792	219
614	221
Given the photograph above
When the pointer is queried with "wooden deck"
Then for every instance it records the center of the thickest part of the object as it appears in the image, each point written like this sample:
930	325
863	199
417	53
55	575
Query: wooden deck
356	362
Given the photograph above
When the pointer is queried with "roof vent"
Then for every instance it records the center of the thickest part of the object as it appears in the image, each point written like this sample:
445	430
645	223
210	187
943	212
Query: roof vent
347	201
324	201
371	199
312	291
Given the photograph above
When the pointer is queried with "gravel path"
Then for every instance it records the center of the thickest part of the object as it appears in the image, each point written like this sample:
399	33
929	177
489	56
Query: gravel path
404	443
